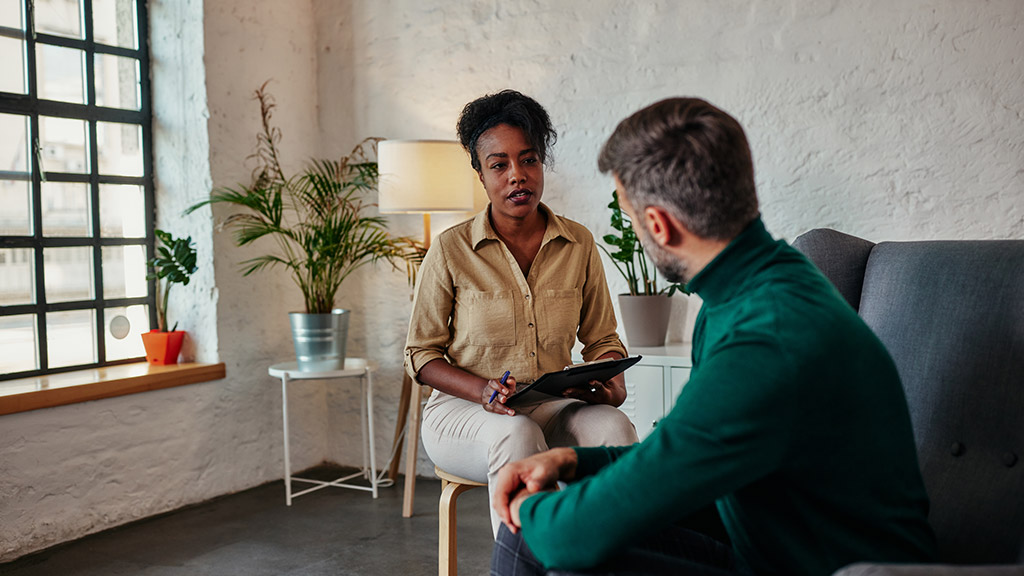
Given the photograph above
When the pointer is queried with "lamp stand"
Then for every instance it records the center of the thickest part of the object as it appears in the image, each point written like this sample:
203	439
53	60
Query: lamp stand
409	399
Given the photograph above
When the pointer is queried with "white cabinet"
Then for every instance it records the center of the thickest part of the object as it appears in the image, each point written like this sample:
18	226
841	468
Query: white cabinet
654	383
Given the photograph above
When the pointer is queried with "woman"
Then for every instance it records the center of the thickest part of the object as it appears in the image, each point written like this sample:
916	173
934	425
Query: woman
511	290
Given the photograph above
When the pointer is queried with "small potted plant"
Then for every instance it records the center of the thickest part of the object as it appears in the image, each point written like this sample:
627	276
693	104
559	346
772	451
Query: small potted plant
321	231
646	308
175	262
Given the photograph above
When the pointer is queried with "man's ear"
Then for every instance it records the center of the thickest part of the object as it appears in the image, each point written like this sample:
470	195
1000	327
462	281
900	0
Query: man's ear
661	226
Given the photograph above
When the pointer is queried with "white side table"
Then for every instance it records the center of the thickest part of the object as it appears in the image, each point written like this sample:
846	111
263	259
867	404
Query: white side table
354	368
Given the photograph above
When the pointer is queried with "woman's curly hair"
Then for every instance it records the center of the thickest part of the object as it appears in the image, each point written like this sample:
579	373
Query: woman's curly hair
506	107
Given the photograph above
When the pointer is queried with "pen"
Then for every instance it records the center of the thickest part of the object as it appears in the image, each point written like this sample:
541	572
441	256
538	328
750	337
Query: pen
503	380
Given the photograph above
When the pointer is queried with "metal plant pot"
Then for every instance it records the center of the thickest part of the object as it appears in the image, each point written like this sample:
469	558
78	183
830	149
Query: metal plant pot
320	340
645	318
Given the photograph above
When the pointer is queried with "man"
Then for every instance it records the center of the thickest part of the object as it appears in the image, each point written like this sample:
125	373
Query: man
793	424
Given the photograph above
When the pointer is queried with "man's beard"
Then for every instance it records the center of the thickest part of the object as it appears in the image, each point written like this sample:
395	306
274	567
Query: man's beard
670	267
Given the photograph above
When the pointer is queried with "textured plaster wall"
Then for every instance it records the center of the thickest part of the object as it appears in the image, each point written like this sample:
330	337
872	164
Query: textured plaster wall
886	120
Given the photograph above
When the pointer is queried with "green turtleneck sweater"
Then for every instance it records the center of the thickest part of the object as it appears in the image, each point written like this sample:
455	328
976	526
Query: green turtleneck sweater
793	423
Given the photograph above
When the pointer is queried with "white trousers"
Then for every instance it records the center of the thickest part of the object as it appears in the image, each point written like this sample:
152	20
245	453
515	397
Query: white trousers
464	439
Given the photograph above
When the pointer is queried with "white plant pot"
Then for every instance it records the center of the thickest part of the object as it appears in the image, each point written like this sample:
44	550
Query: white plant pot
645	318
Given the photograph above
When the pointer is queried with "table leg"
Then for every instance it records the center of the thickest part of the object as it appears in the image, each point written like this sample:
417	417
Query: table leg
362	425
369	430
287	456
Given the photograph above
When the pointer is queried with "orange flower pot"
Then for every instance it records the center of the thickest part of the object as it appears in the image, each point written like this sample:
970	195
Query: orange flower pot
162	348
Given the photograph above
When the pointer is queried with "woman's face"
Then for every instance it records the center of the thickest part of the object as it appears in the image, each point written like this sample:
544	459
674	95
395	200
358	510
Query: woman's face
511	171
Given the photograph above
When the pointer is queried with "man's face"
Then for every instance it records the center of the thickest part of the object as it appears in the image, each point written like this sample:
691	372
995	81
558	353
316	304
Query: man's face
669	266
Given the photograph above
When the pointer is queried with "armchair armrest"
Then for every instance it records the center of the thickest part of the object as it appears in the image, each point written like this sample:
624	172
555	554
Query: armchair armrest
864	569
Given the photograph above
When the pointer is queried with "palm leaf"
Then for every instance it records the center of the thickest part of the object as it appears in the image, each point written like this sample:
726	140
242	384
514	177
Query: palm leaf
317	218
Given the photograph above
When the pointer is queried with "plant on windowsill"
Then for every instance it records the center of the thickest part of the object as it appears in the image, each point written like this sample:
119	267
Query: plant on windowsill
174	263
646	308
319	223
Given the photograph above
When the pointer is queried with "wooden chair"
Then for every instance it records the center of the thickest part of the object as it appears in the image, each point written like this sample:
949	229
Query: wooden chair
447	548
451	485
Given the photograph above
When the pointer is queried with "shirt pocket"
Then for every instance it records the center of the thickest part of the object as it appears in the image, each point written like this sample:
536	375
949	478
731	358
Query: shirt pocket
559	316
485	318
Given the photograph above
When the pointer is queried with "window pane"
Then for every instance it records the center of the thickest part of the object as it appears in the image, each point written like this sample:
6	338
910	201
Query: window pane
18	351
60	73
15	195
17	274
65	209
14	148
12	65
122	211
120	148
124	271
114	22
63	141
59	17
10	14
117	82
71	338
123	328
15	219
68	273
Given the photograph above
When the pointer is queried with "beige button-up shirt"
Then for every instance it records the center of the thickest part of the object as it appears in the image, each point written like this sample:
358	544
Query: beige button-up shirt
474	308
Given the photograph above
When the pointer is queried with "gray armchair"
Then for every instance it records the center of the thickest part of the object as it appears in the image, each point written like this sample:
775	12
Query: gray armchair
951	314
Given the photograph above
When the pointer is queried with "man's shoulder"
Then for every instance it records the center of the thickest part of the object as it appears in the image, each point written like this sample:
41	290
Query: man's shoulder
789	302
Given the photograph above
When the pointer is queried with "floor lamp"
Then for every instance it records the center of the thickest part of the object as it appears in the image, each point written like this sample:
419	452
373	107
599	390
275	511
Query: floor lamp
420	177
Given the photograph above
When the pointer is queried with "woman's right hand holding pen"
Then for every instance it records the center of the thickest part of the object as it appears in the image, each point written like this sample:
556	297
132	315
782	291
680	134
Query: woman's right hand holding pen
496	392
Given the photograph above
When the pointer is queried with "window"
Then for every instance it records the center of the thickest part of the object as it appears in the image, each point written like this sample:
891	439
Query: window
76	192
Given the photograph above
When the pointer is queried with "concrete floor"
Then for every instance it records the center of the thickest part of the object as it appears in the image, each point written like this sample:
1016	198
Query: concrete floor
331	531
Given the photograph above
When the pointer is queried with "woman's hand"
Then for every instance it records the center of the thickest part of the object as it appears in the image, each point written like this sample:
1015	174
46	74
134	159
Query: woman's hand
503	393
612	392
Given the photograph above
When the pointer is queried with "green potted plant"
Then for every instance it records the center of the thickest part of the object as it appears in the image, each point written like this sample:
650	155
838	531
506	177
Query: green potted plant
318	223
174	263
646	308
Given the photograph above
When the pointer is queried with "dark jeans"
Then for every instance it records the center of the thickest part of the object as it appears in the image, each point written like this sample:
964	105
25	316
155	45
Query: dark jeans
676	551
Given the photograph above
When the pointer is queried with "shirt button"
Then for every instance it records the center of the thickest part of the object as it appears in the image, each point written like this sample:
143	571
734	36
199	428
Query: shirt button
532	354
530	324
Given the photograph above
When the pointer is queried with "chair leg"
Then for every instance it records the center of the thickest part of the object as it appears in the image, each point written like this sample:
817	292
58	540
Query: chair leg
447	548
411	450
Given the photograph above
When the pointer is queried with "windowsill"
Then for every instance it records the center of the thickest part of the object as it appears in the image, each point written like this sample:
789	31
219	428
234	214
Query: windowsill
72	387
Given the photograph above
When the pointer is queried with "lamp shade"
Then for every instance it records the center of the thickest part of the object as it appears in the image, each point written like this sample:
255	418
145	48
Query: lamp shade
425	176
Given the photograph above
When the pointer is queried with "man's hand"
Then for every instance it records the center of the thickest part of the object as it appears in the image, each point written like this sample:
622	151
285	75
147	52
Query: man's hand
520	479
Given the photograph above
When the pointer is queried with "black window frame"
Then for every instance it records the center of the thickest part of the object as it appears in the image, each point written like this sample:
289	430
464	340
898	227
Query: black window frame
33	107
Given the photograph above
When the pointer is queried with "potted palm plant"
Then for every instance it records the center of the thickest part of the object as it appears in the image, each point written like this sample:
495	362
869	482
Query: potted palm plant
318	222
646	308
174	263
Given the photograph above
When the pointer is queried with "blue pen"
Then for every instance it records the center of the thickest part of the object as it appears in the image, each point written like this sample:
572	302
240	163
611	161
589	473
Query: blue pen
503	380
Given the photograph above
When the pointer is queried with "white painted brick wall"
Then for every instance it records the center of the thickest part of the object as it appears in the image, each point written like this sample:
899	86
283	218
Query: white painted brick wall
886	120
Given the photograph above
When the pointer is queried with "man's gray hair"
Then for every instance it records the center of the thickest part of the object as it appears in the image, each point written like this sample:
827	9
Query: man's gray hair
692	159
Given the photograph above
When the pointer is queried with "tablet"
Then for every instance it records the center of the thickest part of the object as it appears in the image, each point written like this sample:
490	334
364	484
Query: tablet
577	375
